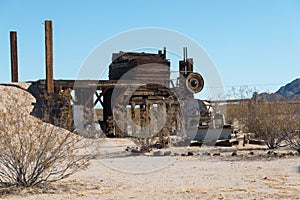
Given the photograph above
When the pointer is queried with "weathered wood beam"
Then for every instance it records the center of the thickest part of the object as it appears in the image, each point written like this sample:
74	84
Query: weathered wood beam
49	56
14	56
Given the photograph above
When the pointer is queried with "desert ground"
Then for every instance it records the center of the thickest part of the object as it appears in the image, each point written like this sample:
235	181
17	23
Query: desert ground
178	177
173	173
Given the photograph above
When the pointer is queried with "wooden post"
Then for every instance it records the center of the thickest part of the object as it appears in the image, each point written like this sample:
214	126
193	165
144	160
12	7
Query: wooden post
49	56
14	56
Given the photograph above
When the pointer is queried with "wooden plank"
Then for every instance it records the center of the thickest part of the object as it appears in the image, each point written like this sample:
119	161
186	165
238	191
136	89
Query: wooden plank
49	56
230	101
151	61
157	74
97	84
14	56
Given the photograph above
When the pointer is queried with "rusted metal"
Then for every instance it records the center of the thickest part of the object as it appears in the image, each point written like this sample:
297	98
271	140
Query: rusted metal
181	68
49	56
186	65
190	65
194	82
14	56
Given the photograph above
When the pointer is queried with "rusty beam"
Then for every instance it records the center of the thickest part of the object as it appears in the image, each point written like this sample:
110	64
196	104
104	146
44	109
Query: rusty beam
14	56
49	56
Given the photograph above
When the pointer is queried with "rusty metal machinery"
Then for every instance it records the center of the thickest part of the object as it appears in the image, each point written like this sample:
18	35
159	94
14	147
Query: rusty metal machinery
133	110
140	100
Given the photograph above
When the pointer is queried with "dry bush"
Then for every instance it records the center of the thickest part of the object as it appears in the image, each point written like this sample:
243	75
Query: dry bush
33	152
293	140
269	121
292	135
274	122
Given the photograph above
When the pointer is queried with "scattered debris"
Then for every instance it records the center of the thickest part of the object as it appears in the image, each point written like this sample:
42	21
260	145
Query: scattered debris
135	151
269	152
145	149
206	153
158	153
291	154
283	155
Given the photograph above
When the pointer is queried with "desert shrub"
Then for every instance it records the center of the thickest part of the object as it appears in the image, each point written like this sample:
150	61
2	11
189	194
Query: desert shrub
293	140
268	121
292	134
272	121
33	152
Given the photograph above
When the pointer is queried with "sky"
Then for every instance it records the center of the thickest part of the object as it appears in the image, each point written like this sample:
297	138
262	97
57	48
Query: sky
252	43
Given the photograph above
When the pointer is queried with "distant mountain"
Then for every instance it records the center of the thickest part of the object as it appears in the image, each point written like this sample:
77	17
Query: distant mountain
291	90
270	96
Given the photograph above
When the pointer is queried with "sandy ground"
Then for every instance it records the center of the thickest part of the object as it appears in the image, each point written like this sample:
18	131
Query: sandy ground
118	174
195	177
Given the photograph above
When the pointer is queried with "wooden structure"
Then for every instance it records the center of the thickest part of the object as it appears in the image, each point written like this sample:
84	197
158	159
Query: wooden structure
139	69
146	76
153	72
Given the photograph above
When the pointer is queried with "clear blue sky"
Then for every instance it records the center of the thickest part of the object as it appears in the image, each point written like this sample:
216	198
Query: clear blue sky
255	43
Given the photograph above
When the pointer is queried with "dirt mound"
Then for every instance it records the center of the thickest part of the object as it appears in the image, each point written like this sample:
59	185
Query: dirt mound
14	94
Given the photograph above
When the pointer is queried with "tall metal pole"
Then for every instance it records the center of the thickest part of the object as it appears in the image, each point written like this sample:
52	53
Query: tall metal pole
14	56
49	56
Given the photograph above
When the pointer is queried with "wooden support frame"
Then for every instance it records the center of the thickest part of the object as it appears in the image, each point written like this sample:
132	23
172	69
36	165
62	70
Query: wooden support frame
99	96
14	56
